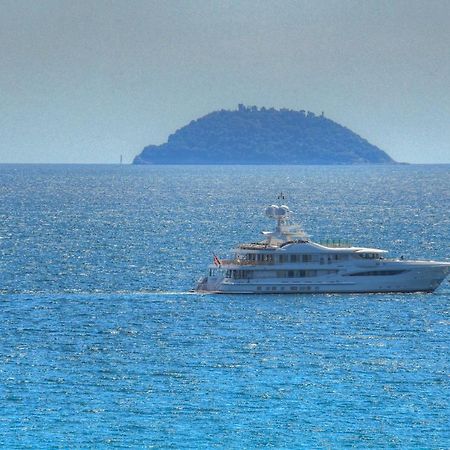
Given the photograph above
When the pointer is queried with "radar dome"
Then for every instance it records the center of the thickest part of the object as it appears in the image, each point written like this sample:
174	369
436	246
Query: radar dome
271	211
277	212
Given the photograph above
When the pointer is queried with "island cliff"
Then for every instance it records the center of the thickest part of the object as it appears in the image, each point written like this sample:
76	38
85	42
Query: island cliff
250	135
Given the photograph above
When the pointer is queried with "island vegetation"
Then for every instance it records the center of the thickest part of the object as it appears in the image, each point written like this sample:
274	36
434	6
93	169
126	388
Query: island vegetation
252	135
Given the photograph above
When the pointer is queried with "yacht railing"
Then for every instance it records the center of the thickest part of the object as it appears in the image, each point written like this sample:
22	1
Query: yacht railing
335	243
241	262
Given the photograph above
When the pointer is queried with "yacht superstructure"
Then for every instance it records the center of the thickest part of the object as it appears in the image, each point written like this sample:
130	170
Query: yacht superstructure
288	261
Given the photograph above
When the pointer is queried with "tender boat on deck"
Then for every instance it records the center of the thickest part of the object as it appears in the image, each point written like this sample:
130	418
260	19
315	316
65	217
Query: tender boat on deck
287	261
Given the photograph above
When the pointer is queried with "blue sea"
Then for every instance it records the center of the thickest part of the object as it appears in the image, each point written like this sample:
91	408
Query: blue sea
103	345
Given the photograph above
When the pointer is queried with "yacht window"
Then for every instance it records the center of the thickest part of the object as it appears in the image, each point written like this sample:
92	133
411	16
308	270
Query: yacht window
370	255
238	274
293	258
290	273
306	258
306	273
376	273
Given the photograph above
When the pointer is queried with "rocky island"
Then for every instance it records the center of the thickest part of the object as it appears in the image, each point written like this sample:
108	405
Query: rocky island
251	135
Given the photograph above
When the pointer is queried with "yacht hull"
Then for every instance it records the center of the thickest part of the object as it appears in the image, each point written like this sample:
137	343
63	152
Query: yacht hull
418	278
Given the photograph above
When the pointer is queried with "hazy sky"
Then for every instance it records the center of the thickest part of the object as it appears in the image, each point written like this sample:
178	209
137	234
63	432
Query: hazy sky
86	81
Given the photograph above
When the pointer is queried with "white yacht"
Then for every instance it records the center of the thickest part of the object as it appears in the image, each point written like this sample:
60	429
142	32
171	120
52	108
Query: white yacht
287	261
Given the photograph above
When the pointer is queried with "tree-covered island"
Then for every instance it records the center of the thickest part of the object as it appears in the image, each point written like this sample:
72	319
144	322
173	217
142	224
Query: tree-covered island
252	135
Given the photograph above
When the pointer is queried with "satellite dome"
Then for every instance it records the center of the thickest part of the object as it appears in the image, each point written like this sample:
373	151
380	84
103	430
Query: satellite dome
277	212
283	210
271	211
